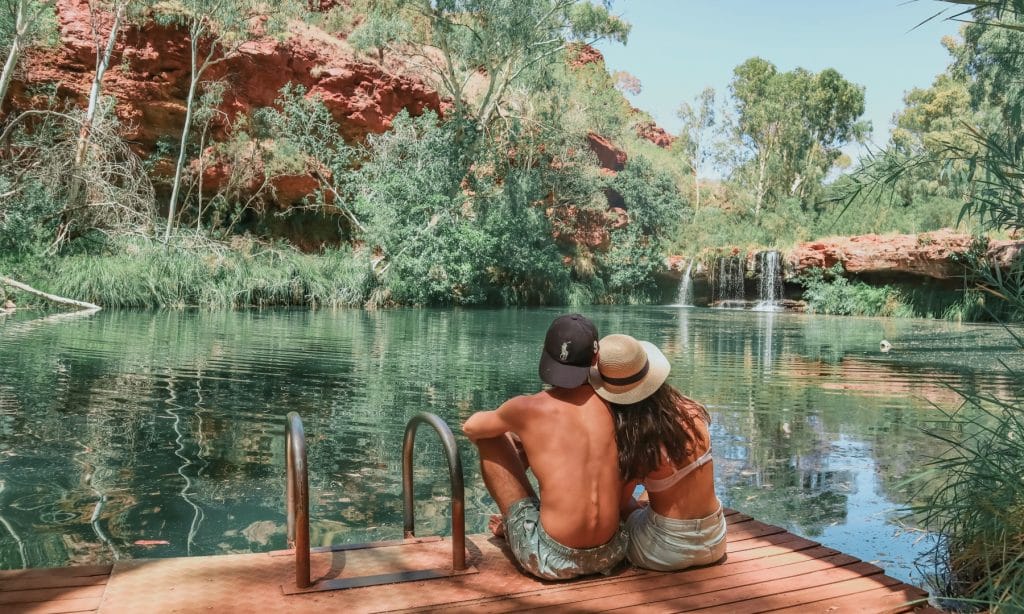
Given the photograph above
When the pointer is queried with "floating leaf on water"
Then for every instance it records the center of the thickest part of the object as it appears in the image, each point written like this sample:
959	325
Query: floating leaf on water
151	542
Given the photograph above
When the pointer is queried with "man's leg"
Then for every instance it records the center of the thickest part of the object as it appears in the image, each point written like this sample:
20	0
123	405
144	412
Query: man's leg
503	471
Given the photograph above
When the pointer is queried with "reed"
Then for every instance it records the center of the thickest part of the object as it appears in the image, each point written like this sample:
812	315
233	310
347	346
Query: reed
191	272
972	498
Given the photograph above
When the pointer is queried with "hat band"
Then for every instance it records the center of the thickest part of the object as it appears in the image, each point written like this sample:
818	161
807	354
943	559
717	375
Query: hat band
632	379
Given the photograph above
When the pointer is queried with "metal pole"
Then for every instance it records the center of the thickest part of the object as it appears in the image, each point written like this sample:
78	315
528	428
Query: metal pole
451	451
298	496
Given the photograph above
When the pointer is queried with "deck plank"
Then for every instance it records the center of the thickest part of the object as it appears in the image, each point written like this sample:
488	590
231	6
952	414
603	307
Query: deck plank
801	597
51	594
770	582
703	578
682	591
766	569
48	581
59	572
887	600
63	606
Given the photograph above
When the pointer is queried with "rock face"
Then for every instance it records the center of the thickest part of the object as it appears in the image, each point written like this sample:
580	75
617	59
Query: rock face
150	70
583	54
933	254
655	134
608	154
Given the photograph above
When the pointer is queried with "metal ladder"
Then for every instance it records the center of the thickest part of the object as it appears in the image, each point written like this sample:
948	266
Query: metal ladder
297	495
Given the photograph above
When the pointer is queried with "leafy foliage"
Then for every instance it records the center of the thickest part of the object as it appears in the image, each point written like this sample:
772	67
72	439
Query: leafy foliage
973	493
791	126
830	293
512	43
655	210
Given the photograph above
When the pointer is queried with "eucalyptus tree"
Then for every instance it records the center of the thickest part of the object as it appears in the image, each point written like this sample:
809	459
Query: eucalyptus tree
479	51
698	125
792	126
23	23
118	10
380	27
435	199
218	31
306	135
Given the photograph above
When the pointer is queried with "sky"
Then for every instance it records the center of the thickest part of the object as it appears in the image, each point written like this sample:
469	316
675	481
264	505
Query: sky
678	47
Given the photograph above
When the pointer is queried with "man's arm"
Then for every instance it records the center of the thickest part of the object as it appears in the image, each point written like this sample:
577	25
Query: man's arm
490	424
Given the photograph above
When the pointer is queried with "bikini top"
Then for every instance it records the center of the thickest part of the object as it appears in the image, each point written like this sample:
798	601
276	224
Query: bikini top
663	484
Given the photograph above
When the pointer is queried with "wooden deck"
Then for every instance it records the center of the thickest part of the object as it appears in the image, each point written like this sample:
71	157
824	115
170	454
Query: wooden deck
767	570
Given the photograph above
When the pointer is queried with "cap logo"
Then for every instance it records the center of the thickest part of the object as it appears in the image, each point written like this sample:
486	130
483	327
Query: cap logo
565	351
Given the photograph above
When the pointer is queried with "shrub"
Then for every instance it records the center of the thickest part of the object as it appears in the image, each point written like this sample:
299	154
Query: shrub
828	292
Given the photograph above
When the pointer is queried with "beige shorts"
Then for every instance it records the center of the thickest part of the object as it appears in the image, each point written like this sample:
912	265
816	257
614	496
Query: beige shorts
669	544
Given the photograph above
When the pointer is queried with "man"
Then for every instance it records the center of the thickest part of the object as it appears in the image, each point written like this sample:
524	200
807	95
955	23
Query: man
568	440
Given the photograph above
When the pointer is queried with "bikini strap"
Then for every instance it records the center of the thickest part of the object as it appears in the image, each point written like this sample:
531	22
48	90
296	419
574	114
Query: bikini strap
659	485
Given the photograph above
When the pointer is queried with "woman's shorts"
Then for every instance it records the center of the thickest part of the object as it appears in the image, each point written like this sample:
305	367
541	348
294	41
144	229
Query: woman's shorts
669	544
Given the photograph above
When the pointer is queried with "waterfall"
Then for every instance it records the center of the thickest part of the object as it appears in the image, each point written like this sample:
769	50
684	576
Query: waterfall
684	298
769	271
728	284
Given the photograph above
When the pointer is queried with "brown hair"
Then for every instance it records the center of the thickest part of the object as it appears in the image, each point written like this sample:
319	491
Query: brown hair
663	421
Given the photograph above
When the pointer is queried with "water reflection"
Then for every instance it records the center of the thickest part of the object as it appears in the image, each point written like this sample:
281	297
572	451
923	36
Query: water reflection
127	430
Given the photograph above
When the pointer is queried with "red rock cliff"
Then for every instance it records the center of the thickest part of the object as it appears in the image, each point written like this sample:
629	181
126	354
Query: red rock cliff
149	76
930	254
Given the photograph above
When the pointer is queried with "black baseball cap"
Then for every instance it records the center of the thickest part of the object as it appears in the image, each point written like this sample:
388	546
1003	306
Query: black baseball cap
569	350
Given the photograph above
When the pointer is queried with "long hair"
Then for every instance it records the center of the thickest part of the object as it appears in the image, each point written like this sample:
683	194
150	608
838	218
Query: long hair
663	421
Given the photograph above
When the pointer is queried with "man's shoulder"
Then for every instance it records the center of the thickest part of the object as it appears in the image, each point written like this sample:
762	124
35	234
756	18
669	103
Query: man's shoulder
553	398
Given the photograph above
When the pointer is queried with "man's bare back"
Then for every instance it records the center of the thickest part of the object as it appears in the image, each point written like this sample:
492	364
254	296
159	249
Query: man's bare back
569	439
567	436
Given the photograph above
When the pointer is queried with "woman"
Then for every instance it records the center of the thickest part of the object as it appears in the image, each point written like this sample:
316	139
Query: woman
663	444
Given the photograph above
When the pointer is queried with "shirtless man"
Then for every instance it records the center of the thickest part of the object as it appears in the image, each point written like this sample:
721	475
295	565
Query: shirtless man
568	437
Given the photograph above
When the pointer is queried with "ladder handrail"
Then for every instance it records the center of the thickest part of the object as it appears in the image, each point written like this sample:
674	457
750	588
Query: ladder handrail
297	472
297	494
458	492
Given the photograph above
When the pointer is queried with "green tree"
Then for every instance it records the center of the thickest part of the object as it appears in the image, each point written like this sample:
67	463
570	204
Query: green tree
655	209
408	196
380	28
698	123
791	126
511	43
23	23
217	32
307	139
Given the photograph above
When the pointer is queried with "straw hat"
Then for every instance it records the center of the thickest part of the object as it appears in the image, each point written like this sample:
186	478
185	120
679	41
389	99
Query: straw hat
628	371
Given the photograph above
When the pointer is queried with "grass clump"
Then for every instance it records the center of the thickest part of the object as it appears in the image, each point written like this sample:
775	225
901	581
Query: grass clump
196	272
973	499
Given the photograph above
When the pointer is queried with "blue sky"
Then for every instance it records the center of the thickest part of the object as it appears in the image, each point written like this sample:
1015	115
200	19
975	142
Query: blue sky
678	47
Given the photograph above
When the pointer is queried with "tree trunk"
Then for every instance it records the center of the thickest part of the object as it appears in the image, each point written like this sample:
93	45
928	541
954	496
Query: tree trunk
85	132
176	185
762	168
14	54
696	189
7	281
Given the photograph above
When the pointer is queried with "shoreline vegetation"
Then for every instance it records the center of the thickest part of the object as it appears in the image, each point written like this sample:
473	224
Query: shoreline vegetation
537	183
516	172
